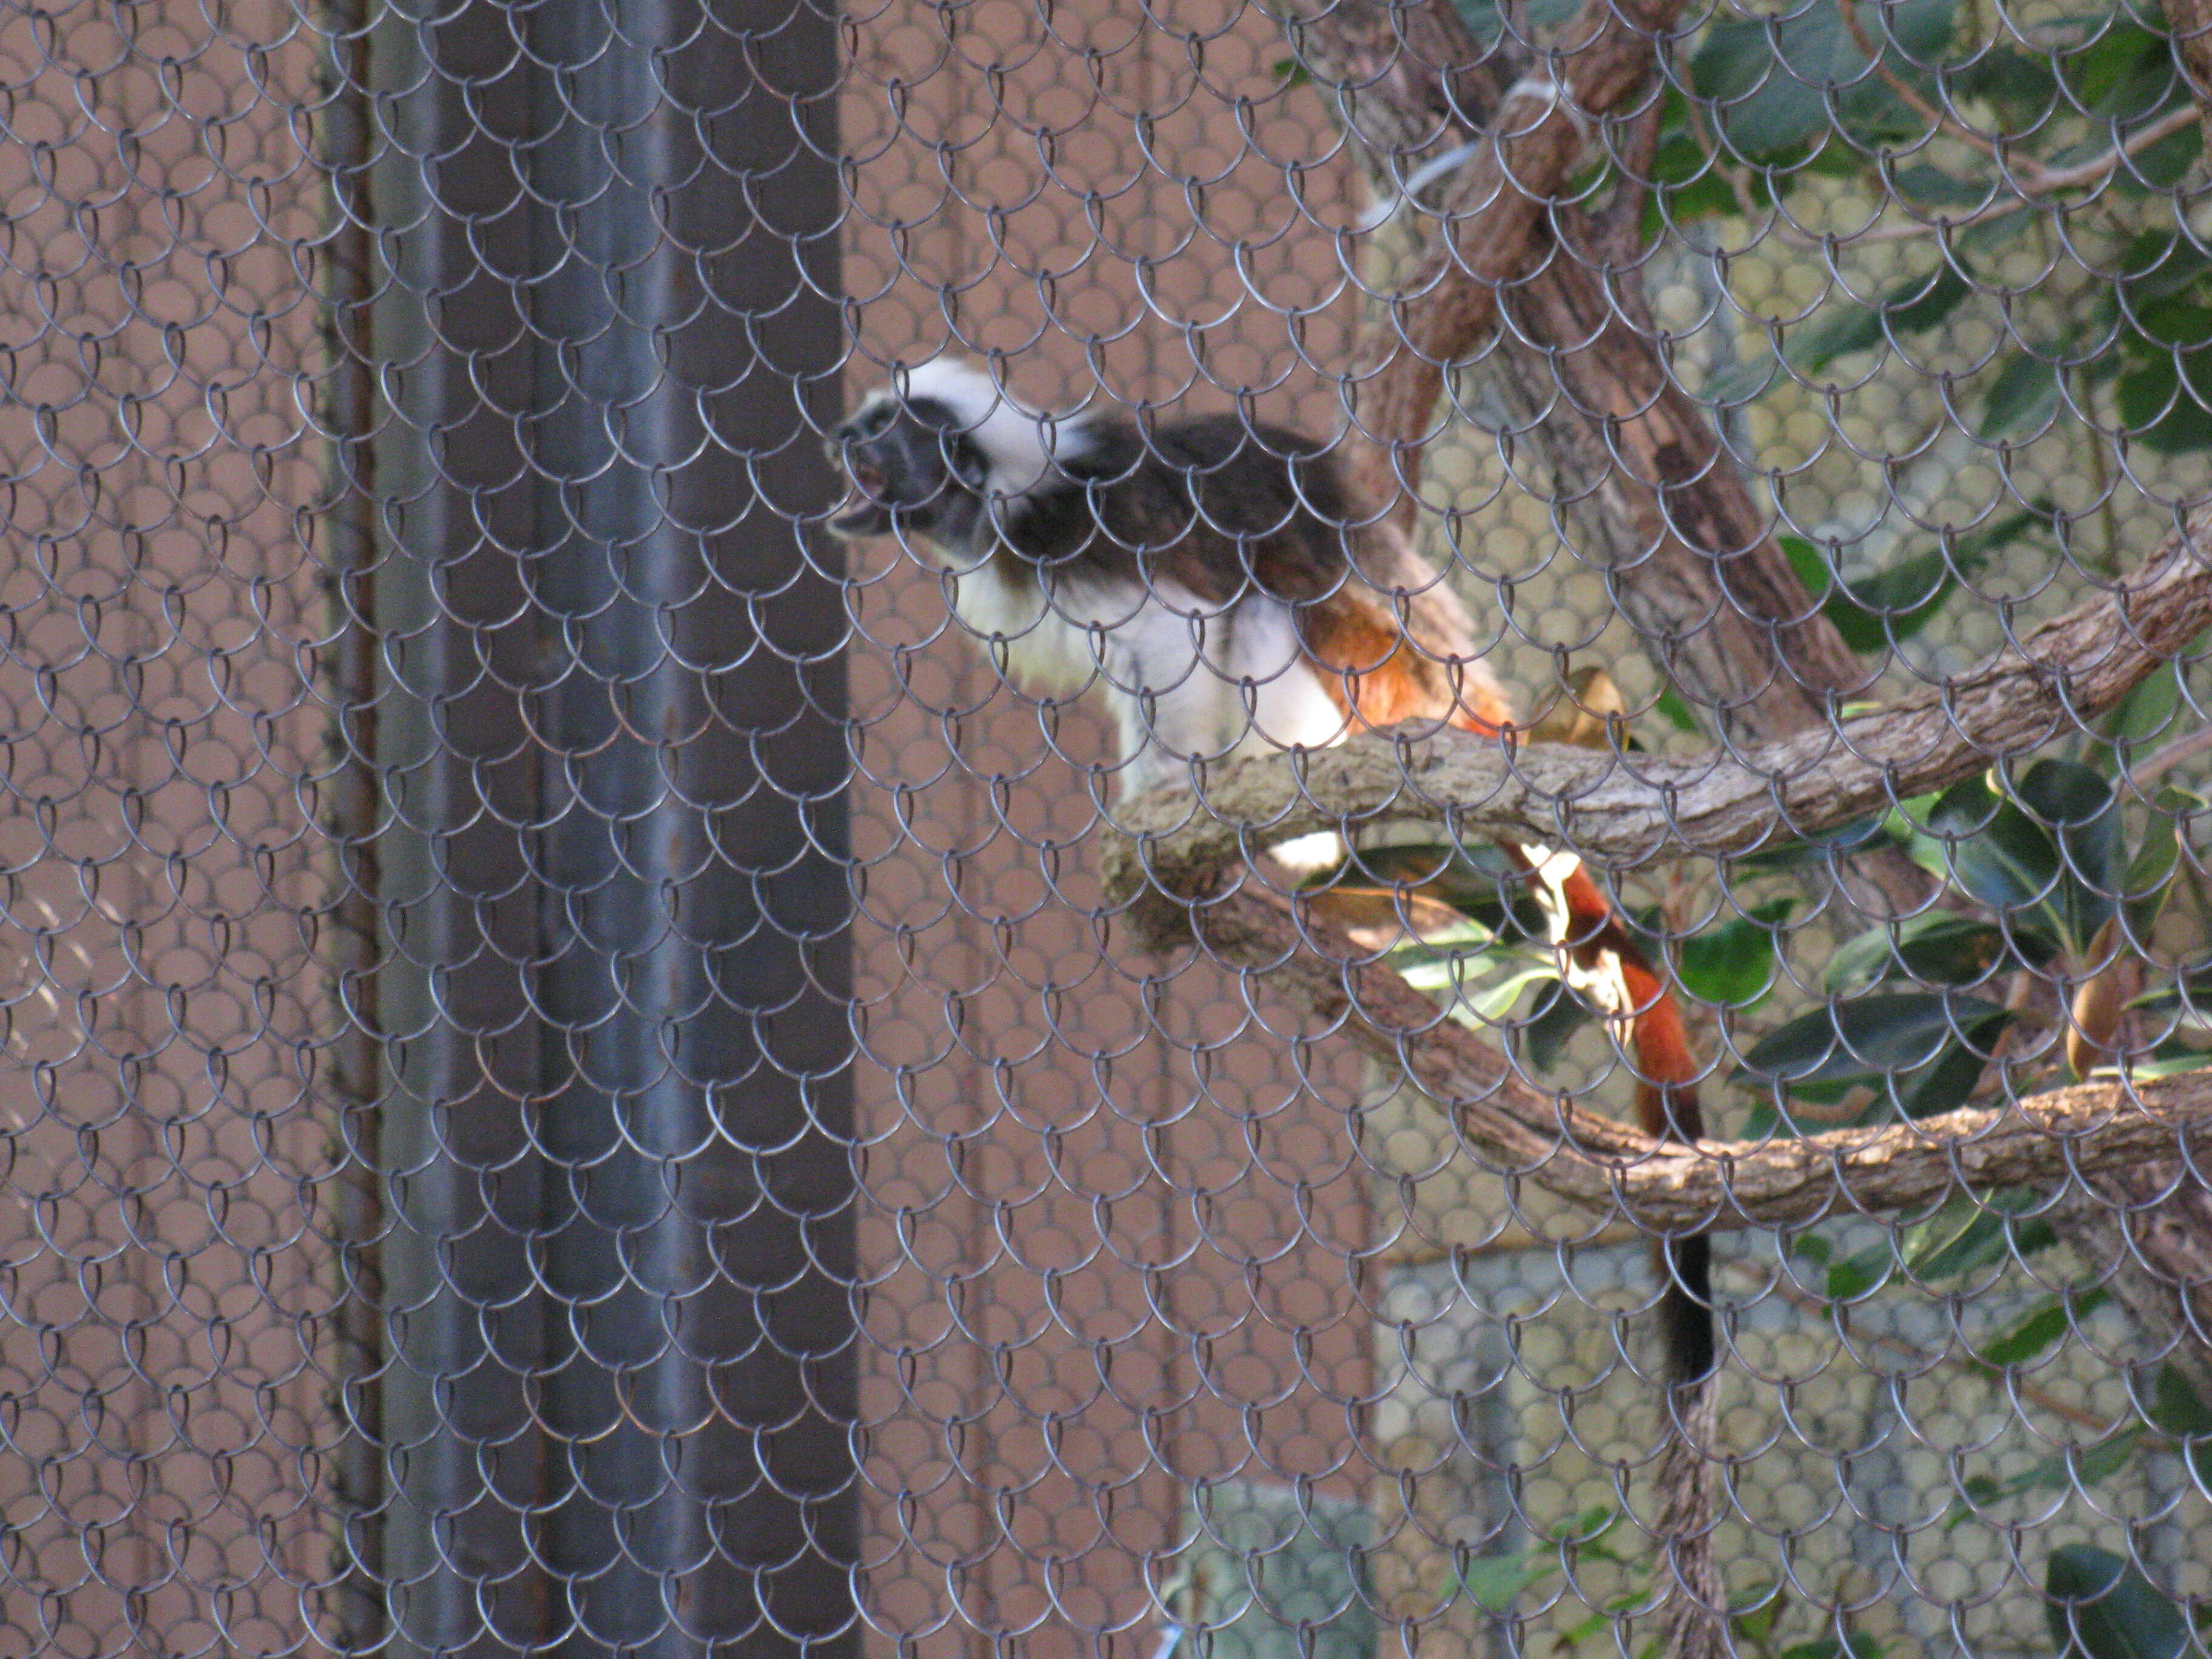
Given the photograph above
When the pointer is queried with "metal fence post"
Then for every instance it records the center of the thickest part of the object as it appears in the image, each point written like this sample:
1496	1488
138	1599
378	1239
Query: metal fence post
620	1375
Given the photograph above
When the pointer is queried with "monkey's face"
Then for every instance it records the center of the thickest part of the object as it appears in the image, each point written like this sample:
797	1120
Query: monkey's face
912	470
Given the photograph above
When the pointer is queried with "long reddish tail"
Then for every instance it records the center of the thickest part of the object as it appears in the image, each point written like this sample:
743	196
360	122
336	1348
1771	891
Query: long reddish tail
1608	963
1379	676
1612	966
1416	659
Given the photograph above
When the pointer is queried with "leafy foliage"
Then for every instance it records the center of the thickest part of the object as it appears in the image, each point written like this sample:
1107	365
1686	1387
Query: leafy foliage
1848	89
2038	965
2060	872
2101	1606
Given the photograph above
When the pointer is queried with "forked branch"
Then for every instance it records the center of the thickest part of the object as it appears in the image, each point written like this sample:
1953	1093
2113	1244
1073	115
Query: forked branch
1526	1133
1616	807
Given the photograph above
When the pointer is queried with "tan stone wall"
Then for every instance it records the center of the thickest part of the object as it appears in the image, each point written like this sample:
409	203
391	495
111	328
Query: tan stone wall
1116	1232
163	1275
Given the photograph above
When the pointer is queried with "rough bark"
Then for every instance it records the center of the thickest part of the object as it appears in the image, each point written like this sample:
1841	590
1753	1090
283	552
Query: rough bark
1690	561
2151	1225
1416	78
1614	808
2154	1221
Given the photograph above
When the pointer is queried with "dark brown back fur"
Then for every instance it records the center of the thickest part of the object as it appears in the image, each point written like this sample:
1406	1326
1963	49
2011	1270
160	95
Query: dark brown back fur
1225	510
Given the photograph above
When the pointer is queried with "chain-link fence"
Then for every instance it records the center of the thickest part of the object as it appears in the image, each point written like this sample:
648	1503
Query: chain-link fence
1039	828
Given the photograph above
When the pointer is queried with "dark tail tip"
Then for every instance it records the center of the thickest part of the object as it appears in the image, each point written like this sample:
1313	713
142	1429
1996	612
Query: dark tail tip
1686	1309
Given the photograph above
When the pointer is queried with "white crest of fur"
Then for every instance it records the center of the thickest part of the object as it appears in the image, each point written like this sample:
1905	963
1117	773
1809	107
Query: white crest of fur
1019	444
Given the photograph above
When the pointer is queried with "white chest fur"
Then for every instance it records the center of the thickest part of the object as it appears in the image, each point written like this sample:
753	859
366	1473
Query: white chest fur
1185	680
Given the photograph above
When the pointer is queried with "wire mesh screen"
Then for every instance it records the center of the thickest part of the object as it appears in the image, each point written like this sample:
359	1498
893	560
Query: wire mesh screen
1059	828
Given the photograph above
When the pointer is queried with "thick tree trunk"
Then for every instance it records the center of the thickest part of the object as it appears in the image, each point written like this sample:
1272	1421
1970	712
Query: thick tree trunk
1690	556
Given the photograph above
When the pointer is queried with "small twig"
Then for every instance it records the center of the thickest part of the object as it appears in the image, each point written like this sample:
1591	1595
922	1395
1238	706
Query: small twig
1943	120
2089	171
2086	173
2161	760
2046	181
1738	183
2035	179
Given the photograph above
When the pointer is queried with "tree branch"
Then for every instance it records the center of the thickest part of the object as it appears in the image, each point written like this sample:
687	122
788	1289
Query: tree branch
1664	1186
1517	280
1619	809
1402	91
1705	585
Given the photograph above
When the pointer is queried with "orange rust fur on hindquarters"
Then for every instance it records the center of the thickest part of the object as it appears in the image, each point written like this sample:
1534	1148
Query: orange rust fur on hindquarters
1377	677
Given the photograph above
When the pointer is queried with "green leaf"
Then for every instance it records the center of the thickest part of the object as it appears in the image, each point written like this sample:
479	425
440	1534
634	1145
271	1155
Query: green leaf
1686	186
1742	382
1798	851
1917	304
2062	1471
1587	1527
2156	266
1951	1080
2163	165
1756	1622
2187	998
1496	1582
2103	1607
2165	410
2176	1409
2003	226
1894	603
2146	712
2150	874
1486	984
1857	1273
1970	1233
2125	74
2079	809
2000	855
1676	712
1772	79
1936	949
1733	965
2042	1328
2177	1412
1812	567
1886	1038
1556	1017
2183	322
2020	85
1933	187
2024	396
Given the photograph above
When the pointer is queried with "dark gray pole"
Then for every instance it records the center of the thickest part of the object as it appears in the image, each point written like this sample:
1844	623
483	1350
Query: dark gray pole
617	1132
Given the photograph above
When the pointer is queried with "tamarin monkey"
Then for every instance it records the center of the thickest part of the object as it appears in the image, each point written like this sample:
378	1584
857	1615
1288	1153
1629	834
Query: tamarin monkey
1212	578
